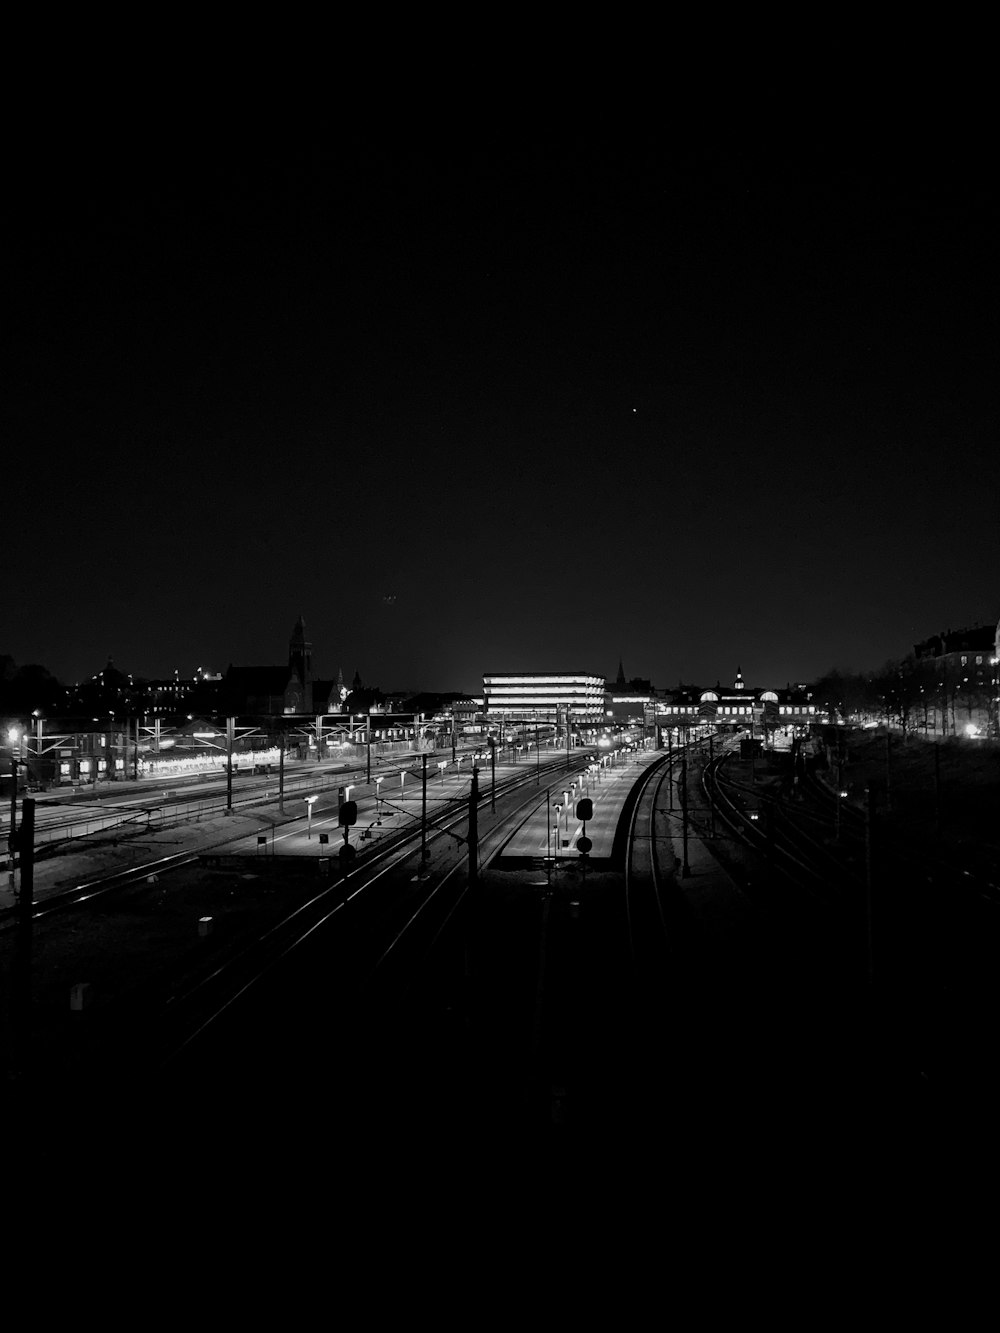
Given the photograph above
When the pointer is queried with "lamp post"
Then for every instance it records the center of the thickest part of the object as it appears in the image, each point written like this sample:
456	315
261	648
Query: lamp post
442	765
378	794
13	736
309	800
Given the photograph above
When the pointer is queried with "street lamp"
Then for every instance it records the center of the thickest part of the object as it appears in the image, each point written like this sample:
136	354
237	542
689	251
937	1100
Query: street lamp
309	800
378	793
442	765
13	736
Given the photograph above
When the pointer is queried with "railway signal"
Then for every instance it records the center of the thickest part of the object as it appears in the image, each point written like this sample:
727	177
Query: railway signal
584	811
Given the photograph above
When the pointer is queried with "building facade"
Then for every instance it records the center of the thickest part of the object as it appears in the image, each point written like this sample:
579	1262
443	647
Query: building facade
958	681
545	696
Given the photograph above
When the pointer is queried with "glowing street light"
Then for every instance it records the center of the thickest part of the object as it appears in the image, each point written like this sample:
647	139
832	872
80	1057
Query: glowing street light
442	765
309	800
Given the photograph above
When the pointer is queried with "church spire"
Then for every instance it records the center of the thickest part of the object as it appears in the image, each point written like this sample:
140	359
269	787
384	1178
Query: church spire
300	661
621	673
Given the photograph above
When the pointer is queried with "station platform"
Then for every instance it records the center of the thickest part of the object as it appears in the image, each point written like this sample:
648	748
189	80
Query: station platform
383	808
553	833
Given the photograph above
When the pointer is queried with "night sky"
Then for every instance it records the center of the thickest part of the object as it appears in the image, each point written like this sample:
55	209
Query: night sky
471	398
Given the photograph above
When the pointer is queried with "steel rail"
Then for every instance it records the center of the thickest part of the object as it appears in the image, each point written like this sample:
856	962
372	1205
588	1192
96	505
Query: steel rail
662	772
393	857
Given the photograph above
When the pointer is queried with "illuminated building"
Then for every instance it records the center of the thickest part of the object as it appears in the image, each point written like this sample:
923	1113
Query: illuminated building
545	695
738	707
959	690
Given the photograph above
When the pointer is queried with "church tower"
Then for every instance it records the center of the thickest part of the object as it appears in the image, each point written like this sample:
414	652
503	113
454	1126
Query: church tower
620	682
300	661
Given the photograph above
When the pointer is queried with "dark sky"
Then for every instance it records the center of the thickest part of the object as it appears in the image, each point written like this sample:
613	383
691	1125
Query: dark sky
564	397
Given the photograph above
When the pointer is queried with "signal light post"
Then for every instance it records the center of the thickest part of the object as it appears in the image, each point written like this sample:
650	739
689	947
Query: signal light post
584	811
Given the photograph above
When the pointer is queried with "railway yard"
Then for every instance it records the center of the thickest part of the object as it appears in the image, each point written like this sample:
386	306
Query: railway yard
785	943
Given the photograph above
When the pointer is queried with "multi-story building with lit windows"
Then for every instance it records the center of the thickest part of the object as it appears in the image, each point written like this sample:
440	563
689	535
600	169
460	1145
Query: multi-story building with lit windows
736	707
543	695
960	692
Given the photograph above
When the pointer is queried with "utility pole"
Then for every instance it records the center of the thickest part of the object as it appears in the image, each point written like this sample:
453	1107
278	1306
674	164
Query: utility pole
25	844
281	774
869	816
474	828
711	803
423	819
538	758
837	836
13	806
670	768
493	775
368	734
685	869
453	733
548	836
230	735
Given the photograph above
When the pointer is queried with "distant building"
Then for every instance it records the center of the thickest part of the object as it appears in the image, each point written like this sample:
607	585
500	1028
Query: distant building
739	707
277	690
177	695
961	696
543	695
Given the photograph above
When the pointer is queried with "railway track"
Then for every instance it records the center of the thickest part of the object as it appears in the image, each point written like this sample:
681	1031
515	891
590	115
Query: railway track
917	936
397	916
651	919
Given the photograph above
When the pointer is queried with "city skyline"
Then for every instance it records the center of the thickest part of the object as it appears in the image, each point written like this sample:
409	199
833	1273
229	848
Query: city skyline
209	672
476	399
